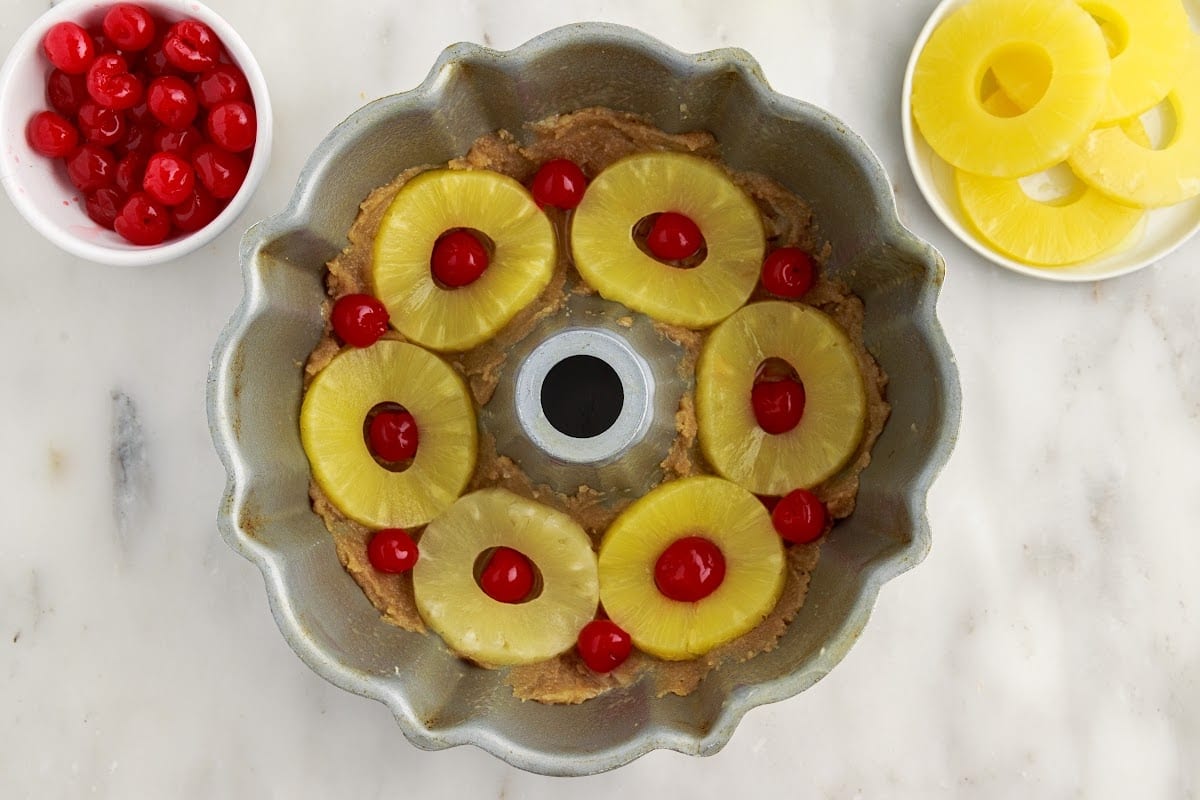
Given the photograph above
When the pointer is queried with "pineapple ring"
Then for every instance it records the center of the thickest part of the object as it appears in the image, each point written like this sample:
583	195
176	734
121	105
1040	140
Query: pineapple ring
486	630
1048	234
635	187
519	268
947	77
1152	38
835	398
1127	171
331	430
730	517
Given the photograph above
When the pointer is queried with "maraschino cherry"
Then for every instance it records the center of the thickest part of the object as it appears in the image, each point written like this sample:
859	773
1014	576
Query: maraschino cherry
799	517
559	183
603	645
393	435
788	272
69	47
392	550
690	569
458	259
778	405
674	237
508	576
359	319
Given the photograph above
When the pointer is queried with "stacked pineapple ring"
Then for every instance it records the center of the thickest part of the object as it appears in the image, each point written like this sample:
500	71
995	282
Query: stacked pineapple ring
1003	90
693	564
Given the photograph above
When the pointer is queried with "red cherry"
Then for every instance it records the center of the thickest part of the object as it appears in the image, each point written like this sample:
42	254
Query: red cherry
392	550
111	85
129	27
66	92
690	569
559	183
359	319
182	142
69	47
458	259
154	60
130	171
191	46
51	135
778	405
169	178
143	220
101	42
221	171
507	577
788	272
221	83
603	646
196	211
232	125
394	435
101	125
91	167
799	517
140	115
674	237
103	205
138	139
172	101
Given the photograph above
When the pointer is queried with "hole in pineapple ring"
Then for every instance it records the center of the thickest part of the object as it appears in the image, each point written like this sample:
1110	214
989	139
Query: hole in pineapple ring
775	369
489	247
689	569
1112	25
484	559
778	408
1057	186
1160	125
640	233
582	396
376	410
1014	79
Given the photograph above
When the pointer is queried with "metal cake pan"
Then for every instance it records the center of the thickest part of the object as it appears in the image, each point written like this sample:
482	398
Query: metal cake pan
254	390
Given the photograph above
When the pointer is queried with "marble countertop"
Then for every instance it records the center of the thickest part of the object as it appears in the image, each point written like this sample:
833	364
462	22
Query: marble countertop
1049	646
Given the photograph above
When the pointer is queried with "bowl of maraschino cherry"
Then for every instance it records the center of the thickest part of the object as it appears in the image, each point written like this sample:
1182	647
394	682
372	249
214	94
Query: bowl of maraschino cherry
132	133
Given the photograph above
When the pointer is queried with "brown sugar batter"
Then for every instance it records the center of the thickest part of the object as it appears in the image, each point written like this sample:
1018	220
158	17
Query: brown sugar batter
594	138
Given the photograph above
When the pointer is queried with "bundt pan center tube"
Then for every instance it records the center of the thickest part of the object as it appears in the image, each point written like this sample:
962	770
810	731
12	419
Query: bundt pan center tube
255	390
570	428
594	393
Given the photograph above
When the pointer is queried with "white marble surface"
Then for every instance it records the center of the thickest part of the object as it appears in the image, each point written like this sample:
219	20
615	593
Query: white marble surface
1048	647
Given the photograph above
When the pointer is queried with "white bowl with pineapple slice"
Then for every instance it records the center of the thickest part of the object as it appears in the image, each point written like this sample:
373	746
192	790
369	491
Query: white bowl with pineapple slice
1072	214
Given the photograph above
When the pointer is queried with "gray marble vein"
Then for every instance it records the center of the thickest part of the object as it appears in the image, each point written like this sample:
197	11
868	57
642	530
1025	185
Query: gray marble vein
130	469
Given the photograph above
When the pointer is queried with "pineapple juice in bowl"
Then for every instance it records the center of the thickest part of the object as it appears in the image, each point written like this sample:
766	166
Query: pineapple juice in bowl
257	391
1068	223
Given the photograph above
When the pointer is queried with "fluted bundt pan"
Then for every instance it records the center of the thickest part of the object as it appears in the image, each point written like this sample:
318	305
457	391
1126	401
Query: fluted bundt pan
255	388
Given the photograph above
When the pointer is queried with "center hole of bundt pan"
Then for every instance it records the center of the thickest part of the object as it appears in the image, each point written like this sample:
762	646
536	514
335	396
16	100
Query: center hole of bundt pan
582	396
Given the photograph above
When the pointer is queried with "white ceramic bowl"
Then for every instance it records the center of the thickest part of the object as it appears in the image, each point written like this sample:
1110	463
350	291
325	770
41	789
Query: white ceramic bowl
39	187
1163	230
